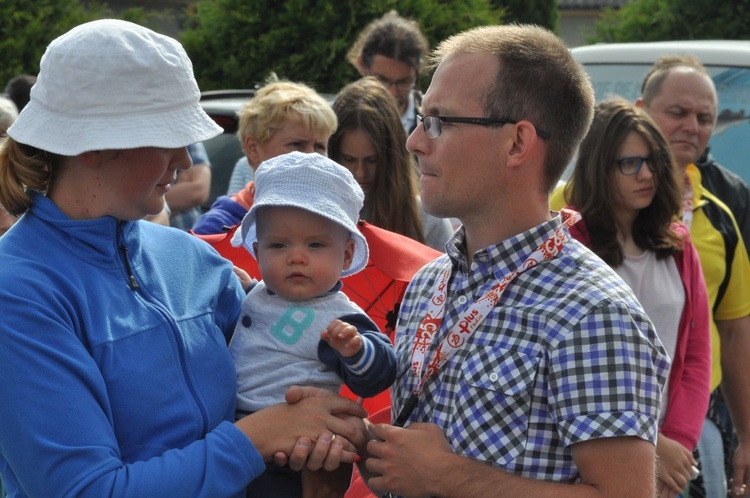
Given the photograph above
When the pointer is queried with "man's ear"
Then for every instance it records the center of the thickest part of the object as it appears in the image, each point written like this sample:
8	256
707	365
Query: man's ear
639	102
348	253
524	139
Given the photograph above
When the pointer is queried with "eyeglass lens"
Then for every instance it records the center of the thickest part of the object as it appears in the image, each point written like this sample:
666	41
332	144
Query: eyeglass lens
632	165
431	126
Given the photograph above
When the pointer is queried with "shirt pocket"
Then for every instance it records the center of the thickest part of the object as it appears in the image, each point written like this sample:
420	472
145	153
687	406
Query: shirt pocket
491	409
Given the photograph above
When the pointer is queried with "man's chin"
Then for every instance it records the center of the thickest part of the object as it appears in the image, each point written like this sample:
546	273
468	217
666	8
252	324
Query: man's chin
685	159
685	155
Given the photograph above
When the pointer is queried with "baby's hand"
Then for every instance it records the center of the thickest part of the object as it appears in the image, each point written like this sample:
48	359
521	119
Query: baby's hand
245	279
342	337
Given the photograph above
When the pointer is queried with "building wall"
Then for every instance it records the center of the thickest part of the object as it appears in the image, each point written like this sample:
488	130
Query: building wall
574	26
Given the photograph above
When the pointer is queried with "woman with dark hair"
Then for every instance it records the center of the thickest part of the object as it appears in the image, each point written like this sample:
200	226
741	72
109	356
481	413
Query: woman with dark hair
625	187
369	142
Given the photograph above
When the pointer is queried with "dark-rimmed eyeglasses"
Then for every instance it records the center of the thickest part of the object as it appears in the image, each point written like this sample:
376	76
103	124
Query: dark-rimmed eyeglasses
433	128
631	165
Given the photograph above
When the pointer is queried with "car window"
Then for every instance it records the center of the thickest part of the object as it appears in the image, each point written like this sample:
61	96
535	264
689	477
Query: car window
730	143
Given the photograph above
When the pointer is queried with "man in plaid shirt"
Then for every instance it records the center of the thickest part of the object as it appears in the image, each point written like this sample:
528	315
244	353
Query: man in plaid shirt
526	366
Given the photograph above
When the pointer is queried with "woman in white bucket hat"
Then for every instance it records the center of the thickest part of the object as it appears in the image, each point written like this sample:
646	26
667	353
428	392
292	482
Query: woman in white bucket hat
115	375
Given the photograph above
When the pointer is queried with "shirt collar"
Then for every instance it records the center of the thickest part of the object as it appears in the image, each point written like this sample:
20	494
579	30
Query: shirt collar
336	288
694	174
409	117
510	253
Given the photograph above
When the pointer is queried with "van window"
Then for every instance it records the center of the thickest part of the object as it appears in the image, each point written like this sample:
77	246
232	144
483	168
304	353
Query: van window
730	143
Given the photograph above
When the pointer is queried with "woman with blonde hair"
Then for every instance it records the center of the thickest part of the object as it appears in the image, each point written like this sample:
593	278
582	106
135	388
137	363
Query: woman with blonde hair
284	116
369	143
625	187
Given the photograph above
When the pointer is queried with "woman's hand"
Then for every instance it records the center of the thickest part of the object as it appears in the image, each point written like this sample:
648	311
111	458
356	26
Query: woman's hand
674	466
303	429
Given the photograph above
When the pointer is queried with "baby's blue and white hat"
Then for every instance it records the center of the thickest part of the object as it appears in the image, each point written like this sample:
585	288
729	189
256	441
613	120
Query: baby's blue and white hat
314	183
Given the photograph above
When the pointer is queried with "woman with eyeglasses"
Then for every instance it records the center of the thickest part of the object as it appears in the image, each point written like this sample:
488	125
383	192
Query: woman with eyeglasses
625	187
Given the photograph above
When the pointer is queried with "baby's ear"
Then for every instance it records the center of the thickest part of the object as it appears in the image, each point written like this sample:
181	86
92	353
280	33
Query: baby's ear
348	253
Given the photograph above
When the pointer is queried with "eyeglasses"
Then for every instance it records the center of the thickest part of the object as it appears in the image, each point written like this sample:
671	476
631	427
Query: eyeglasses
433	128
631	165
404	84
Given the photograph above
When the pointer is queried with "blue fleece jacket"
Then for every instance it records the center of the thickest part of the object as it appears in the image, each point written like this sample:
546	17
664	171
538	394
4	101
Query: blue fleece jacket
115	377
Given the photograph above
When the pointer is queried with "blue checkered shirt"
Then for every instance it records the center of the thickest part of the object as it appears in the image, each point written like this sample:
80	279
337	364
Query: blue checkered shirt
568	355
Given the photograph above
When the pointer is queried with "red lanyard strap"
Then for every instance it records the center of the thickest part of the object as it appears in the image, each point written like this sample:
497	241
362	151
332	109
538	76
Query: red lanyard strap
459	334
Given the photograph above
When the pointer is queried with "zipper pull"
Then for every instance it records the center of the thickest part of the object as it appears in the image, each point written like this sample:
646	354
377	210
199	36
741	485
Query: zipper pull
132	282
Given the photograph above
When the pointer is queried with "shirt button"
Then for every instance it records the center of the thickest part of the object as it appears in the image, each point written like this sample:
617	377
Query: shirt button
493	377
462	299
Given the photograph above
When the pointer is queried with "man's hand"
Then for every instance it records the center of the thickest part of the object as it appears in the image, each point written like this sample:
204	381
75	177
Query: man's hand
740	470
406	461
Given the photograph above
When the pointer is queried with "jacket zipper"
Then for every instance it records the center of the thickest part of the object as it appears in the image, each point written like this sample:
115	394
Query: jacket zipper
132	282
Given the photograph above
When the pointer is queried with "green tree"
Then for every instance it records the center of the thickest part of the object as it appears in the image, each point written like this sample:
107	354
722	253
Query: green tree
237	43
28	27
540	12
654	20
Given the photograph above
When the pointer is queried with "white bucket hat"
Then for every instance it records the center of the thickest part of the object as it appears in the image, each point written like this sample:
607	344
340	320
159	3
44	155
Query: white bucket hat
314	183
112	84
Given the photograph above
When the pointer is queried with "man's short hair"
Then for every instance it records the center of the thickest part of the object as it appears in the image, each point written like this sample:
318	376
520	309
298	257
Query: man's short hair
538	80
654	79
391	36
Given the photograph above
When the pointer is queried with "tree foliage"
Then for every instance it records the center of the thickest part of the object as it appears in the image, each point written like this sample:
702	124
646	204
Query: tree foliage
28	27
26	30
237	43
540	12
655	20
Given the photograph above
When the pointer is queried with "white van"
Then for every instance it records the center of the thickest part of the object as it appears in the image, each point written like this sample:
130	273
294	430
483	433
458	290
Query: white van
619	68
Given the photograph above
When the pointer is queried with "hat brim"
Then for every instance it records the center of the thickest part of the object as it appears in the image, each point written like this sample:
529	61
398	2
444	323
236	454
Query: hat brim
72	135
247	235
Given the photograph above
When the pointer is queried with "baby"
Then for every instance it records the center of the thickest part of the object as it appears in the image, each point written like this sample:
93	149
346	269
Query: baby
296	326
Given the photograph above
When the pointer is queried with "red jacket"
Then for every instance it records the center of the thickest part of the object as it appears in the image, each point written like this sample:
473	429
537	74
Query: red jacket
690	377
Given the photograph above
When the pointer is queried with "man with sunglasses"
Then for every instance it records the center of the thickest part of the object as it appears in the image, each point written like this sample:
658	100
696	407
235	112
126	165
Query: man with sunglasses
527	367
393	49
680	96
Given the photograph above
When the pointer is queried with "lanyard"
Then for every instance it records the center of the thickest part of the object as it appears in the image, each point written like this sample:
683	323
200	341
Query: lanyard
687	203
459	334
